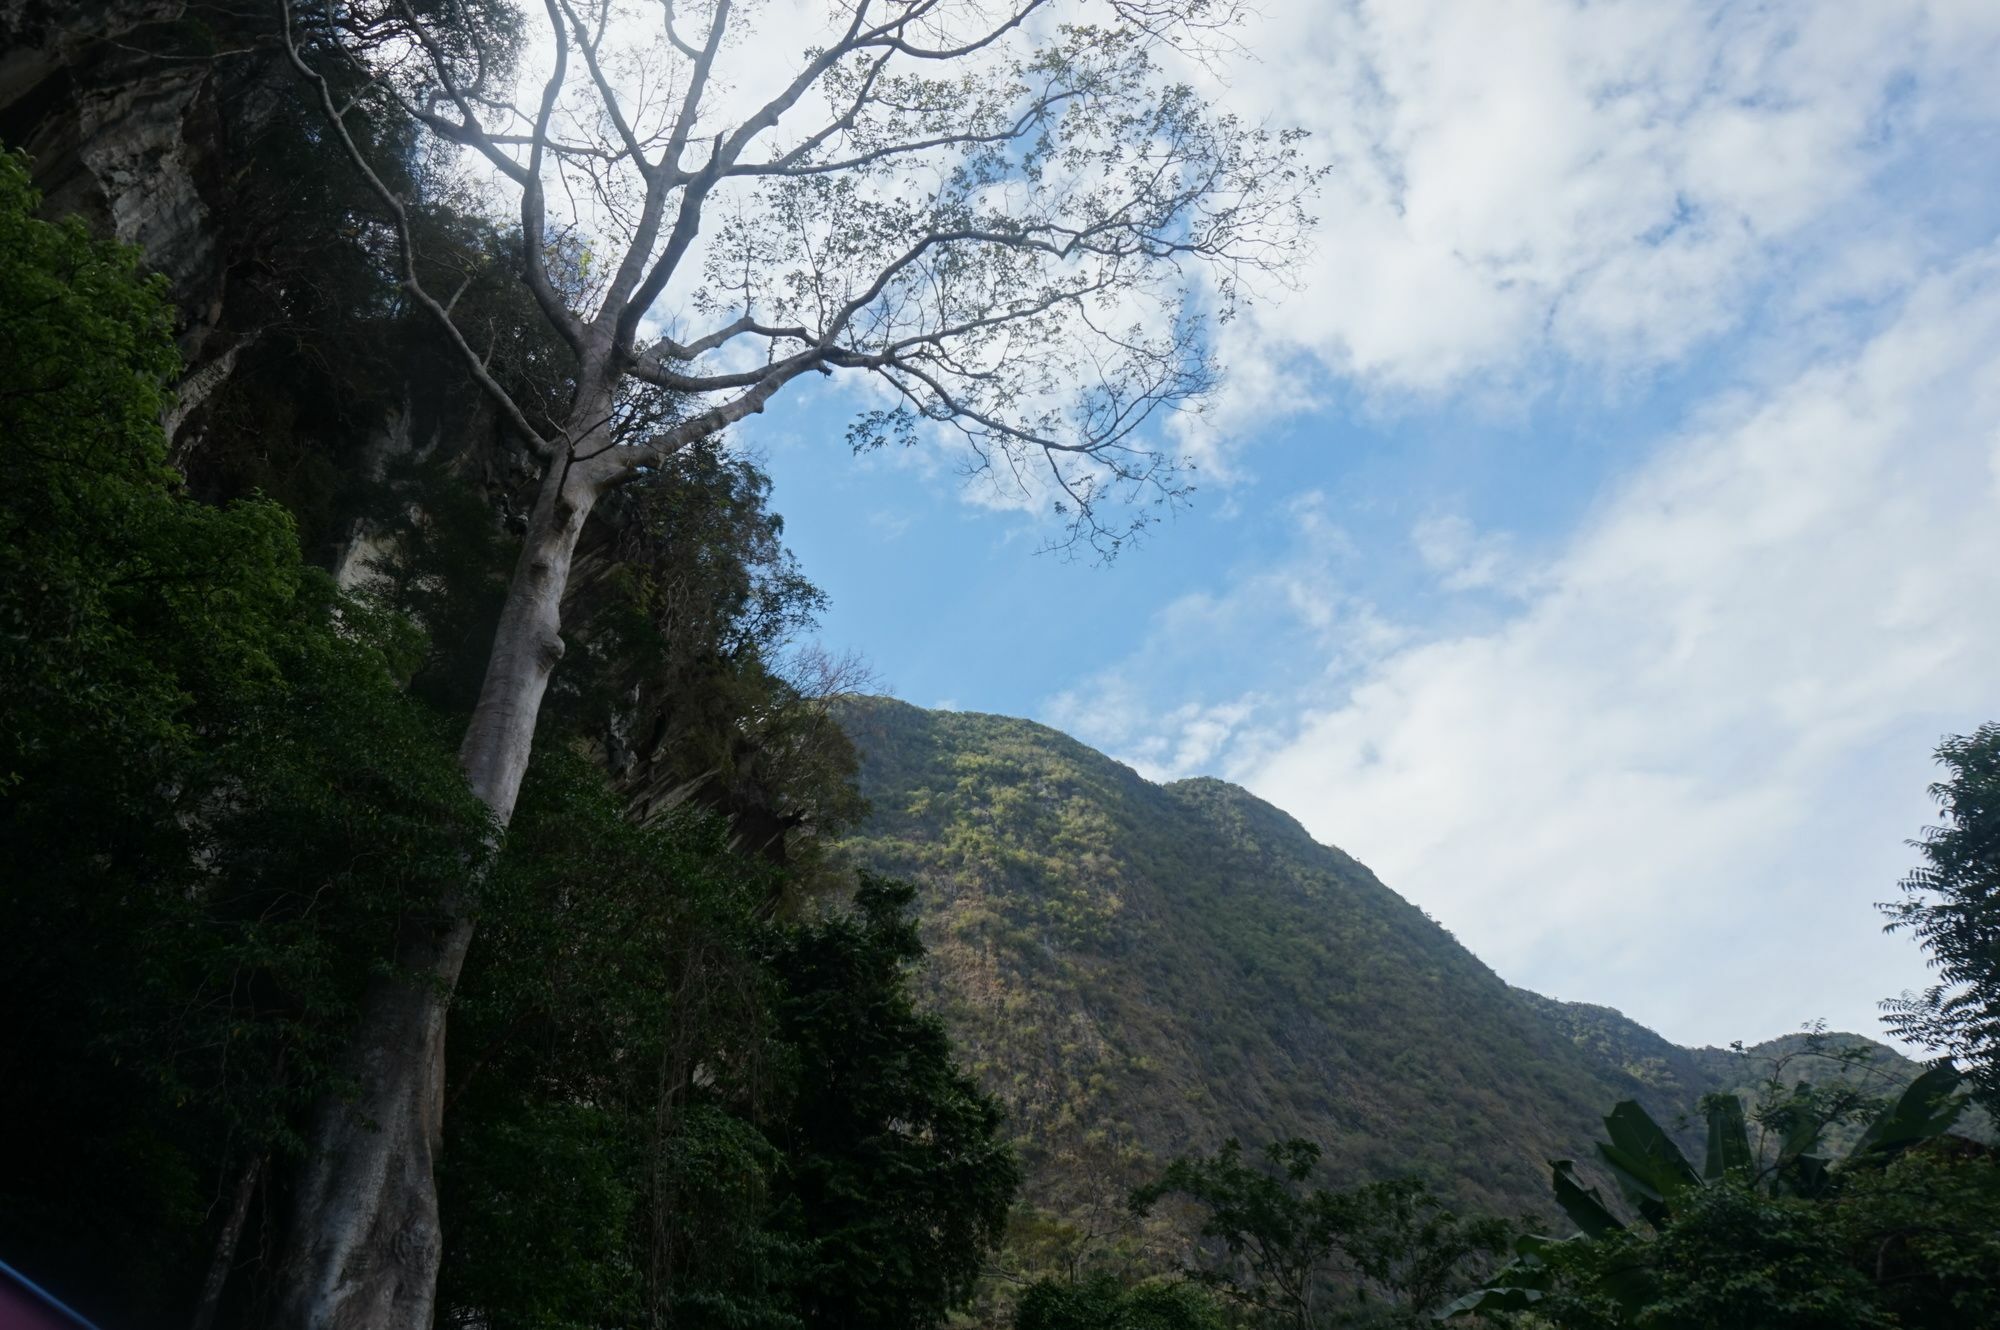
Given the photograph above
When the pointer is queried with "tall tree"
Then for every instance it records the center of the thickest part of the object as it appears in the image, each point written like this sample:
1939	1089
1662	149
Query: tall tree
1003	212
1952	904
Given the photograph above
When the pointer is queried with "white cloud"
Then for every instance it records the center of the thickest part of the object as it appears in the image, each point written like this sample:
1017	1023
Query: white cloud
1466	559
1676	777
1609	183
1282	624
1524	186
1188	738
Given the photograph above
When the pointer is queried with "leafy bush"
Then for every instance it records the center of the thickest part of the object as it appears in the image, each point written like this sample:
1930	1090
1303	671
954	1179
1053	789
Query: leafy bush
1304	1256
1102	1303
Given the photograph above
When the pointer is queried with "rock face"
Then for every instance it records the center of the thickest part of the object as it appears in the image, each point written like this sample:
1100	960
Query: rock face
134	115
141	165
119	134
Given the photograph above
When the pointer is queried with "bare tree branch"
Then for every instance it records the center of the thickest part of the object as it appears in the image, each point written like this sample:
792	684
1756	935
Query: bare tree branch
475	364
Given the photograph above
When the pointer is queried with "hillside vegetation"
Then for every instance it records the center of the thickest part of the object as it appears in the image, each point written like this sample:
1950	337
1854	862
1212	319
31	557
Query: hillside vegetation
1138	970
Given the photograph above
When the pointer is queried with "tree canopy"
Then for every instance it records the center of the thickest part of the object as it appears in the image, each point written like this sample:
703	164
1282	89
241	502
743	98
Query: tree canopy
1305	1256
1951	905
1011	215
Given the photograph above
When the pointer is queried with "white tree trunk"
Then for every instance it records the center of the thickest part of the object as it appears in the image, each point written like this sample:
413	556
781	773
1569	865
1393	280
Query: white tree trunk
528	643
364	1245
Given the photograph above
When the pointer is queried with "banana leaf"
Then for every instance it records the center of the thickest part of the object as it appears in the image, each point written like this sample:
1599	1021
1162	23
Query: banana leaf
1648	1167
1582	1204
1728	1138
1926	1109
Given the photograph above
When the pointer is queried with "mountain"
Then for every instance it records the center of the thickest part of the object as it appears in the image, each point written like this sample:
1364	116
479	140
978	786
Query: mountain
1138	969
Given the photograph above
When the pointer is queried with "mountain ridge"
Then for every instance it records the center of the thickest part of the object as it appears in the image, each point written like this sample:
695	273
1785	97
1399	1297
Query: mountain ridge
1140	969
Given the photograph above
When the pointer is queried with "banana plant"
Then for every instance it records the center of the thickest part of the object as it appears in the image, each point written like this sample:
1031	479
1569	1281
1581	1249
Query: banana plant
1653	1175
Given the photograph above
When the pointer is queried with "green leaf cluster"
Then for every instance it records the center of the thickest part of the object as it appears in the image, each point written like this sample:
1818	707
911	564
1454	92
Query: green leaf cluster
1952	906
1101	1302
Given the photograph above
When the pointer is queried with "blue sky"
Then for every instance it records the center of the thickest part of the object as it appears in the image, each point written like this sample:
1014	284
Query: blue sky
1598	539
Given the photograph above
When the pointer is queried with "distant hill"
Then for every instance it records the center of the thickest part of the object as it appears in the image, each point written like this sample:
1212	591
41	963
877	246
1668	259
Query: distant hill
1140	969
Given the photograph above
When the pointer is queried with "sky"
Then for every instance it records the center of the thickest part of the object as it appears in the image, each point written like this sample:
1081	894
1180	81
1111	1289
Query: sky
1599	538
1597	533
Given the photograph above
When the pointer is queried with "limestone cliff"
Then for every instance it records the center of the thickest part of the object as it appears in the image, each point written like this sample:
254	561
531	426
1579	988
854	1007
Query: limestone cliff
128	131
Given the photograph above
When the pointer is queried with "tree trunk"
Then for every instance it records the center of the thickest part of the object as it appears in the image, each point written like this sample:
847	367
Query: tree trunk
364	1244
224	1258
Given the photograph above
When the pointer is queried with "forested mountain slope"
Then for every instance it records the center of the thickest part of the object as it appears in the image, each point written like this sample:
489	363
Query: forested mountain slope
1141	969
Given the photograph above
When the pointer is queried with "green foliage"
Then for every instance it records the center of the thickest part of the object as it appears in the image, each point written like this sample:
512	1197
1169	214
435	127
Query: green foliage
215	799
1926	1226
542	1207
1728	1137
1952	905
614	961
1732	1255
693	627
1102	1303
898	1157
1913	1241
1304	1256
1647	1165
1818	1099
680	672
666	1103
88	524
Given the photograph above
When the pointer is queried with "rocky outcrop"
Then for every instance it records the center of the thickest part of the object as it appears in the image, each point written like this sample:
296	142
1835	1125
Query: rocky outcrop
129	111
113	126
39	38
